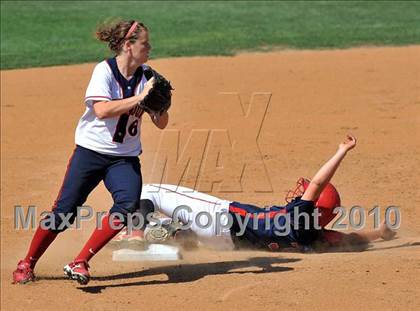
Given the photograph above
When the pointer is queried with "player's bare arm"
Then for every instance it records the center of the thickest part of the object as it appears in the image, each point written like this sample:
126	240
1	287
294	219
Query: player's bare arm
114	108
324	175
383	232
346	241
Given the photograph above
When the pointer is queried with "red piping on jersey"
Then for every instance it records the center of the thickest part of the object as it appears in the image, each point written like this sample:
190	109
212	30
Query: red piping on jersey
243	213
105	97
65	176
185	195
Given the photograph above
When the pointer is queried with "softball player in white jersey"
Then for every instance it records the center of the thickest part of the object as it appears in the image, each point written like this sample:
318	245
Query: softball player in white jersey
107	147
107	135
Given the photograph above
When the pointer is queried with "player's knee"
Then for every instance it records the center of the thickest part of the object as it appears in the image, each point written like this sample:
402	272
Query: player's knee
58	221
126	207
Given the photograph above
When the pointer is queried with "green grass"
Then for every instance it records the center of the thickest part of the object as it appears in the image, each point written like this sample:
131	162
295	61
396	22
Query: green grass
43	33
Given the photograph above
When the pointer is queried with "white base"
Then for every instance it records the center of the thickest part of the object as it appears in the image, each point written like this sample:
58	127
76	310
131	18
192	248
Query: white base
155	252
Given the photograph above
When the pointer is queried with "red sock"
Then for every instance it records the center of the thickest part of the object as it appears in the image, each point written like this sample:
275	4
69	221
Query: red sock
40	242
99	238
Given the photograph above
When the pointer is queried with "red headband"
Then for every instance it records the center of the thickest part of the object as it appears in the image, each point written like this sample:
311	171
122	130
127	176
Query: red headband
131	30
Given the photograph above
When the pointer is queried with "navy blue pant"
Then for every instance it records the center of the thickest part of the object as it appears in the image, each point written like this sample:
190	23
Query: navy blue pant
86	168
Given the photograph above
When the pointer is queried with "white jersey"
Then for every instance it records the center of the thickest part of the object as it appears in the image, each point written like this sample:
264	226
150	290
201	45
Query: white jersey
104	136
203	209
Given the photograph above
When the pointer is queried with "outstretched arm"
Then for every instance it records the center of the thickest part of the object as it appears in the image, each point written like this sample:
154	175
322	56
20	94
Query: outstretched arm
326	172
347	240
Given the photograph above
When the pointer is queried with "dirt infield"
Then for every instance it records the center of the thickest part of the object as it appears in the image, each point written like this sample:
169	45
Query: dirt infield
313	97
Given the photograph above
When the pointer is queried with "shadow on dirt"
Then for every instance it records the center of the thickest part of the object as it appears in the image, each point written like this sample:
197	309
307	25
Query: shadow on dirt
407	244
191	272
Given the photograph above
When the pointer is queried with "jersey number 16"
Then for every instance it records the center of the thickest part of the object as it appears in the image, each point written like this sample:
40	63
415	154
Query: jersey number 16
121	128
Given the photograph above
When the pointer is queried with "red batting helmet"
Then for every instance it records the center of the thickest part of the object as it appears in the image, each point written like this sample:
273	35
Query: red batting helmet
327	201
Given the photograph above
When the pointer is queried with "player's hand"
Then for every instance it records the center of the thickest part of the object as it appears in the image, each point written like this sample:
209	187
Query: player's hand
148	86
386	232
348	144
